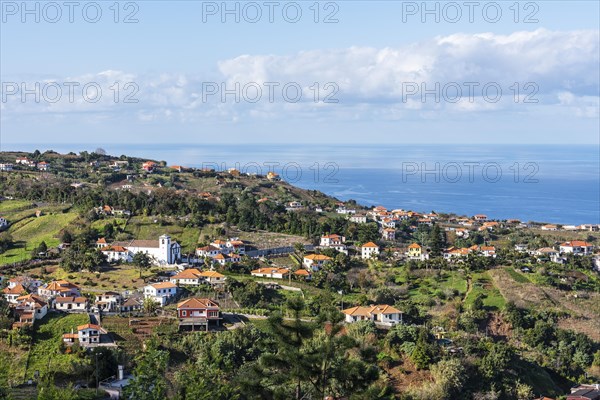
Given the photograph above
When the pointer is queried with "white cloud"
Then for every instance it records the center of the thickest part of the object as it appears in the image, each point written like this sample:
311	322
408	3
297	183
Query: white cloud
373	83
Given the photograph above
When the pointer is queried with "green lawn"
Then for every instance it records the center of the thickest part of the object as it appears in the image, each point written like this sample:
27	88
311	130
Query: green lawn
146	228
13	205
30	232
45	353
482	284
517	276
113	277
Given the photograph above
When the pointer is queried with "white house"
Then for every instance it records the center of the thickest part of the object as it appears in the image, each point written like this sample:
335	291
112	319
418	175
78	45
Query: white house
549	228
43	166
25	161
358	218
213	277
388	234
6	167
380	314
108	301
71	304
60	288
160	292
30	308
315	262
116	253
208	251
578	247
89	334
275	273
3	222
190	276
334	241
369	250
11	294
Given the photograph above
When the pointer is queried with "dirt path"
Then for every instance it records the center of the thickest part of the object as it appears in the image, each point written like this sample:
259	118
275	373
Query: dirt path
469	288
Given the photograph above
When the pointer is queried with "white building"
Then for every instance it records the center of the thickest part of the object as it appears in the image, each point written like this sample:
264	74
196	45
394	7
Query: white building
162	251
380	314
6	167
89	334
108	301
335	242
3	222
190	276
315	262
160	292
275	273
358	218
71	304
369	250
578	247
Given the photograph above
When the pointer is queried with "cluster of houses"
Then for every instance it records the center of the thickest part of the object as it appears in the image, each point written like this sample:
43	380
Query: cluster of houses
25	162
580	392
223	251
576	247
32	299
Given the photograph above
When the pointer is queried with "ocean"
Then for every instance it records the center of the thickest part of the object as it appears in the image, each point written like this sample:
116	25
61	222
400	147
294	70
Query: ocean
543	183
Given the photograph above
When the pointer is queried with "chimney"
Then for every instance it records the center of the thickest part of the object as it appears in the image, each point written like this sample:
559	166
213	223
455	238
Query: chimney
120	367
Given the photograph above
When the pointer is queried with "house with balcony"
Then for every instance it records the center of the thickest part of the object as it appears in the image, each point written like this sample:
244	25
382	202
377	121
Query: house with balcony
198	312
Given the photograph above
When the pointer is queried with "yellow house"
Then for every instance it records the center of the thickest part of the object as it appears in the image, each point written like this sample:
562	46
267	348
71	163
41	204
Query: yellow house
414	250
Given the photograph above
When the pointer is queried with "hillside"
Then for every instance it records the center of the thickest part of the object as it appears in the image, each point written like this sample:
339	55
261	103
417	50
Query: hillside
486	309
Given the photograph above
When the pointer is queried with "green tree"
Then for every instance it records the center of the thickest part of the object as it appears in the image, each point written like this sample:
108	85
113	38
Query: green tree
149	381
436	241
142	261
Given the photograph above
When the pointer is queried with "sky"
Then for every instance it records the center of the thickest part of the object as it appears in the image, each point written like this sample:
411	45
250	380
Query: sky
299	72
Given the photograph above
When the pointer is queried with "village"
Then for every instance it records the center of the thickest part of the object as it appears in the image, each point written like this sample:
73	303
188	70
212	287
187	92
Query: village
217	283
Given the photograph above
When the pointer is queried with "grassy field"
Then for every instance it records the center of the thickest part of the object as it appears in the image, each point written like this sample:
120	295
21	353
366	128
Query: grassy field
114	277
517	276
45	354
10	206
12	364
482	284
581	313
30	232
146	228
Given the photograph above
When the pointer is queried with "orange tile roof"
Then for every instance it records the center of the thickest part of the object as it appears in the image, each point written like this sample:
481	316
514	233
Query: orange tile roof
219	257
414	246
90	326
70	336
212	274
195	302
101	240
71	299
270	270
163	285
191	273
17	289
370	244
117	249
317	257
577	243
302	272
374	309
32	298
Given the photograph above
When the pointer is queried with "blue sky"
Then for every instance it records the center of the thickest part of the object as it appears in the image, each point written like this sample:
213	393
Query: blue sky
373	63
